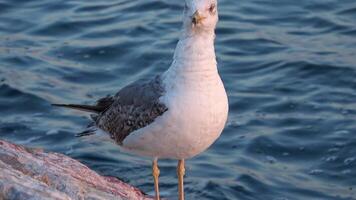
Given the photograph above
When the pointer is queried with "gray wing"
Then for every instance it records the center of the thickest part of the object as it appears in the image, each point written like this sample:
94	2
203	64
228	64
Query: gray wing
134	107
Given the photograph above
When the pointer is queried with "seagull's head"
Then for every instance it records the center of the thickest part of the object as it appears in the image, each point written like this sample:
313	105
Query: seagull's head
201	15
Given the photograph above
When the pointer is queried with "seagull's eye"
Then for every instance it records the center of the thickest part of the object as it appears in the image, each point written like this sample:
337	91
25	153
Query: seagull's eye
212	8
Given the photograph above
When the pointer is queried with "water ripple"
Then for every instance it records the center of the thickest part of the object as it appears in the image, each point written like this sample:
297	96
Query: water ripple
289	68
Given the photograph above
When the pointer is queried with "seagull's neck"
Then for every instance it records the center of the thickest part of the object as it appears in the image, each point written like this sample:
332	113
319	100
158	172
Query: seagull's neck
195	53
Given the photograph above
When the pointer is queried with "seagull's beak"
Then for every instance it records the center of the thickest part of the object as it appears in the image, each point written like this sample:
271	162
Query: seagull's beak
197	18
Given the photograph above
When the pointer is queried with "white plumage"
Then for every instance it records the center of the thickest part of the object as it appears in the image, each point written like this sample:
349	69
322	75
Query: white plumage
196	101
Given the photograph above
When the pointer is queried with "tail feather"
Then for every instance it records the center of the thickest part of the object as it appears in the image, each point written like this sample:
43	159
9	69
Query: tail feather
86	108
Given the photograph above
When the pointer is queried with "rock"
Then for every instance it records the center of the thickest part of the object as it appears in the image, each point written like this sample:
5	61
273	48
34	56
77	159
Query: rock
31	174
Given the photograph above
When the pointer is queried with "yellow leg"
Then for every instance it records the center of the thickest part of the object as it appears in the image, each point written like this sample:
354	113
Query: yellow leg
155	173
181	173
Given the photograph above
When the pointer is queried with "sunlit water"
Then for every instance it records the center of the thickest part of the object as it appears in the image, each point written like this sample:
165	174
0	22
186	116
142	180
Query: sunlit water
289	68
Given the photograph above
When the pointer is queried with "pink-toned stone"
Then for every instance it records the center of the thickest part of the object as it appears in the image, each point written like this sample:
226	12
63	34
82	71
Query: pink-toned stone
31	174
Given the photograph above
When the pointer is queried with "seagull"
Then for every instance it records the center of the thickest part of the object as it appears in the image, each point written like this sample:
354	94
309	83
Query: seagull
177	114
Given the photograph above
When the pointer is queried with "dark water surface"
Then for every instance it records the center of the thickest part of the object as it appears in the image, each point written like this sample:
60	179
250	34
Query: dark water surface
289	68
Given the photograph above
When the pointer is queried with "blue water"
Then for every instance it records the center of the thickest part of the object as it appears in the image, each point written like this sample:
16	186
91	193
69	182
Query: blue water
289	68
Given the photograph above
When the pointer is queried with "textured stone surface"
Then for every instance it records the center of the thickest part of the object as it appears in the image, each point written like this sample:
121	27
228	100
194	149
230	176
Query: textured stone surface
27	174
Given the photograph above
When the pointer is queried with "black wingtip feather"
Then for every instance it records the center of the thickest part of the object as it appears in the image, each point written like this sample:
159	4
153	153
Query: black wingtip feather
86	108
58	105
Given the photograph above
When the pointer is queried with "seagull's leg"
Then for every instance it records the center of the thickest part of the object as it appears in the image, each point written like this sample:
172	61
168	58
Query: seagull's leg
155	173
181	173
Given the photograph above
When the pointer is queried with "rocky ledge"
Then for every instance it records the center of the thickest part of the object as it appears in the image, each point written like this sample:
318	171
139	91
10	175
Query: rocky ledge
31	174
